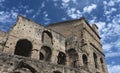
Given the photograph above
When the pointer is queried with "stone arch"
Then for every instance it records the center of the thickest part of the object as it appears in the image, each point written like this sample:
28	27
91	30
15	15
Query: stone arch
45	53
61	58
57	72
95	60
102	64
24	68
73	57
47	37
23	48
85	59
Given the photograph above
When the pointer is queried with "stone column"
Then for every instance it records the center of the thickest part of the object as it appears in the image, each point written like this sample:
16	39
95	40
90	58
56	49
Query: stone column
67	61
80	61
54	57
35	54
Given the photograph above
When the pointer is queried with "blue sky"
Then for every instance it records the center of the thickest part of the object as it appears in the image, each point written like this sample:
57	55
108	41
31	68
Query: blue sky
104	13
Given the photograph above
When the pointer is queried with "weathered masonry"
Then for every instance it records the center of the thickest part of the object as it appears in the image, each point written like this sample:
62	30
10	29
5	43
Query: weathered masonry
66	47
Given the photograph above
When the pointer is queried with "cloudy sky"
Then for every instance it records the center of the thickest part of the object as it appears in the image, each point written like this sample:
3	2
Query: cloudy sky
105	13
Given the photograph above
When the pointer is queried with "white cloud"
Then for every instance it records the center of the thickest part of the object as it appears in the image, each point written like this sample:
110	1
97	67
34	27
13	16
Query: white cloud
7	17
107	47
111	10
73	13
64	18
110	29
113	54
105	2
117	1
100	25
109	7
37	13
109	32
29	10
43	5
111	3
23	6
65	1
88	9
2	0
64	5
39	9
114	68
46	18
75	1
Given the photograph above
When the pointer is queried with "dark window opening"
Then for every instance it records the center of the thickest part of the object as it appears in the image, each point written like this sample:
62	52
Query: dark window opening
61	58
65	44
23	48
101	60
95	60
73	57
85	59
17	72
41	56
45	53
57	72
102	64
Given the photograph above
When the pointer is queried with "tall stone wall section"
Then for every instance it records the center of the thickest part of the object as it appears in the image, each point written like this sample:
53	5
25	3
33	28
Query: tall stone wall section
66	47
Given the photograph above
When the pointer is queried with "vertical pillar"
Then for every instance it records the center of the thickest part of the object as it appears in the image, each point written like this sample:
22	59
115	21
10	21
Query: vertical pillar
54	57
80	62
67	61
35	54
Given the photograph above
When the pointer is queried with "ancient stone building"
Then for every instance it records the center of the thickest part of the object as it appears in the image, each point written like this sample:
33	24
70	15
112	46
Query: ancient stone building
66	47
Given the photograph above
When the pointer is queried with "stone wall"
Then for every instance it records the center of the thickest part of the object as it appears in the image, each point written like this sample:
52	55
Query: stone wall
3	38
15	64
67	47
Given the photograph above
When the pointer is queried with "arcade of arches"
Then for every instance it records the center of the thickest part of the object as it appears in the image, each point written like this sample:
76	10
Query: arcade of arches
24	48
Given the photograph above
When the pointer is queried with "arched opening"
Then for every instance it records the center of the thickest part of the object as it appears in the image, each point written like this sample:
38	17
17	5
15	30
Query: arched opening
102	64
41	56
23	48
24	68
95	60
45	53
73	57
47	37
85	60
66	44
57	72
61	58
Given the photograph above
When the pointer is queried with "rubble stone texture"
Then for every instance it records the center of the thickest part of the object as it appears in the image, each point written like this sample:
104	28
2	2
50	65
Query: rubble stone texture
65	47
